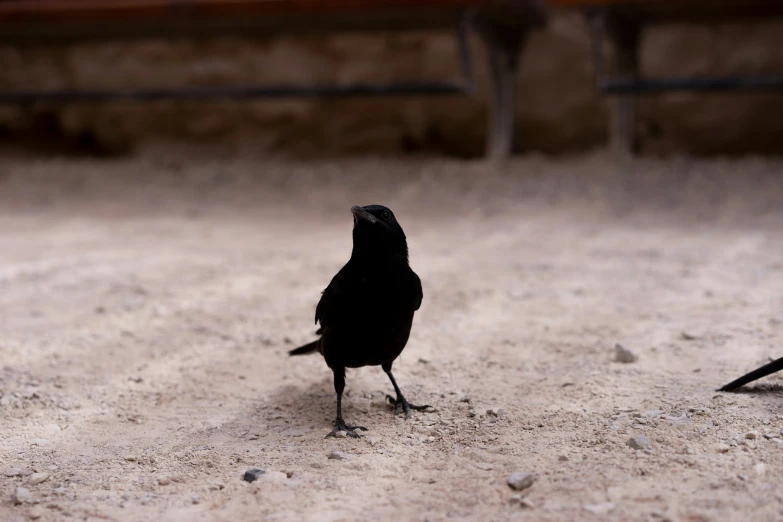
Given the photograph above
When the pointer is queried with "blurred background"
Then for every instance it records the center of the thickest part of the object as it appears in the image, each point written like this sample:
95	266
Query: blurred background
151	44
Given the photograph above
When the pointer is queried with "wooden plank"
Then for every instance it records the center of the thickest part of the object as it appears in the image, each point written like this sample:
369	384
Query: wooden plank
652	11
21	11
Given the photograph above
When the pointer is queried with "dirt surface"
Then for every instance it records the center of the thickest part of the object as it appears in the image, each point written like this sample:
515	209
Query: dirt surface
146	307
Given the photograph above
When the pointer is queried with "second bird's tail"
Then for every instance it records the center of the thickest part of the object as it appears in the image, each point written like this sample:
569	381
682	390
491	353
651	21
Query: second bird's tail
758	373
307	348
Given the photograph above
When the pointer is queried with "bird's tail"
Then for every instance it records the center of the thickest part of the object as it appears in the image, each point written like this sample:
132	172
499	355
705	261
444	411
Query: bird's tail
765	370
307	348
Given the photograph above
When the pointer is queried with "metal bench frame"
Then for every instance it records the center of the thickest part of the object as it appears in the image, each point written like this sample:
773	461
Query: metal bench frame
623	23
504	37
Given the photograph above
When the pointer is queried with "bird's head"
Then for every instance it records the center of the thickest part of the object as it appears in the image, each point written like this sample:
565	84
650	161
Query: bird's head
377	234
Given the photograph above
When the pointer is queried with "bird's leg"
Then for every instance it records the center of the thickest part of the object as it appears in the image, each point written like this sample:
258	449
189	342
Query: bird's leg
339	423
400	403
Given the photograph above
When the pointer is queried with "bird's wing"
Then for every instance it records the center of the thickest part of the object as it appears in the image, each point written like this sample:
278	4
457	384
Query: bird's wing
418	292
332	299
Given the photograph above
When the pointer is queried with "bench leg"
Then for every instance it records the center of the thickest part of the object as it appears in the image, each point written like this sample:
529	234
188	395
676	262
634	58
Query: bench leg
504	48
623	134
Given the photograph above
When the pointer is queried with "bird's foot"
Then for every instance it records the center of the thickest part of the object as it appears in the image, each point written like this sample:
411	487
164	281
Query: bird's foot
402	405
340	425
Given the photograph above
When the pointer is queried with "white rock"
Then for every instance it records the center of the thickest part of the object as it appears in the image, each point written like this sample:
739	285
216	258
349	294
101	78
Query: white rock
339	455
273	476
527	503
624	355
600	509
22	496
37	478
520	480
17	472
639	442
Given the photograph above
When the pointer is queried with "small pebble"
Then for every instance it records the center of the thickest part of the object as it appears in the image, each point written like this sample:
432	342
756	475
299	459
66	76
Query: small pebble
372	440
131	458
22	496
520	480
776	440
341	434
624	355
639	442
195	499
722	448
562	458
760	469
752	435
37	478
17	472
339	455
660	515
38	442
521	501
691	335
165	481
35	513
485	466
600	509
252	474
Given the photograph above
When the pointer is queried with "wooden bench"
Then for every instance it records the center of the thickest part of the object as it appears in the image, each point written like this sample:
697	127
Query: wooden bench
623	22
503	25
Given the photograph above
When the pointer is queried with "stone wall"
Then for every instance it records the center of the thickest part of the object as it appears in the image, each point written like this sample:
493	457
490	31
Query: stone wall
558	110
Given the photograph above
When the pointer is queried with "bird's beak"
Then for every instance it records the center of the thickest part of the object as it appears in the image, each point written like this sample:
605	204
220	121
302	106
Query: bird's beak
360	213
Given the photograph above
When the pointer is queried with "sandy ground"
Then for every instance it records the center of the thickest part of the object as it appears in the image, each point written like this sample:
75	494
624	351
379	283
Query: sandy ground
146	307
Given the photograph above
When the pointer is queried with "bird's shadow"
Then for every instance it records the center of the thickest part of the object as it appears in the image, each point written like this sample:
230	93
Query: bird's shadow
311	408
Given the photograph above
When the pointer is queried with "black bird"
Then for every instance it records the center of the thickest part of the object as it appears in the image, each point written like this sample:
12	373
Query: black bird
367	310
774	366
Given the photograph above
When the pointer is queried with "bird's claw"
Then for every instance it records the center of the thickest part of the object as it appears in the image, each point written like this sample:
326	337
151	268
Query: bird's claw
402	405
349	430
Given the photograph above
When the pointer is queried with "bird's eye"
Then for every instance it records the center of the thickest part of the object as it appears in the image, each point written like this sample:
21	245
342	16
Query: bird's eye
386	215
